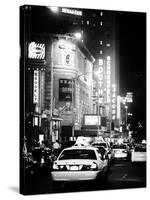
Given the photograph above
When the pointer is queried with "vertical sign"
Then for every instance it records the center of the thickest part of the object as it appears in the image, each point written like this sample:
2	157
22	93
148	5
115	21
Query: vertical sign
36	86
108	77
113	101
118	106
129	97
101	80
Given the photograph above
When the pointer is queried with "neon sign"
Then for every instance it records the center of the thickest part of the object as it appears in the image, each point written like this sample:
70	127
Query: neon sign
36	51
113	101
72	12
36	86
108	78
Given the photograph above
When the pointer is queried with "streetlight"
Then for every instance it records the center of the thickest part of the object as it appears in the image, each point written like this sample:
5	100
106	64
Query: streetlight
76	35
54	9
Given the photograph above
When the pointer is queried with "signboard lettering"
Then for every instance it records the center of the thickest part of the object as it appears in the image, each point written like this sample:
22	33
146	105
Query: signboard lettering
72	12
35	86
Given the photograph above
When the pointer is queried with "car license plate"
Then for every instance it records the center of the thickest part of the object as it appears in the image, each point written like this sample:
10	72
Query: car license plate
74	168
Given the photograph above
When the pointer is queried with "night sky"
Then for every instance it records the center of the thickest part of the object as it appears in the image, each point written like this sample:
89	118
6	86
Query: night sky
133	61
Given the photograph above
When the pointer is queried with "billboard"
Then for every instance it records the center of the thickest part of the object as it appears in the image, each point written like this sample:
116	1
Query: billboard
65	89
92	120
36	50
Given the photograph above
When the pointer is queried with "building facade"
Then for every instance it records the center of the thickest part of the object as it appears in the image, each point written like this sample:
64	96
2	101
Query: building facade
58	87
73	83
58	72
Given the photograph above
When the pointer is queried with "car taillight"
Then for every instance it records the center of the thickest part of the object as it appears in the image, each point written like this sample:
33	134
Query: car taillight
86	167
124	151
94	166
59	167
55	166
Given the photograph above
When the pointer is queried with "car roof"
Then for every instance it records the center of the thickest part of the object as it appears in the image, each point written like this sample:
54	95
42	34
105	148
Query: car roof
80	147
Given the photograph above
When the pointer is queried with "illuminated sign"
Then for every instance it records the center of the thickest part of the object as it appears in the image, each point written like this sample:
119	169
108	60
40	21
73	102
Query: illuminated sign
65	90
108	78
92	120
129	97
118	106
100	61
72	12
101	82
36	51
113	101
36	86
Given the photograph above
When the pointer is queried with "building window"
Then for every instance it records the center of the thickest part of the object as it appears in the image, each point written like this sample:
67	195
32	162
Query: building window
108	44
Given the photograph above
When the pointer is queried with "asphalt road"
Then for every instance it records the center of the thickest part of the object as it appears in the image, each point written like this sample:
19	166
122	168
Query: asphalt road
121	175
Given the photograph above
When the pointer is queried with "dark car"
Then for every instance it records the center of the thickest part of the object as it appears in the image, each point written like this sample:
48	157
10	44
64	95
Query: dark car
67	144
42	161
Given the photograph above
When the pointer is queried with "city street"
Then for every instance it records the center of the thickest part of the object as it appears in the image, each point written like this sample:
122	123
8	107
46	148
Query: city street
122	174
84	92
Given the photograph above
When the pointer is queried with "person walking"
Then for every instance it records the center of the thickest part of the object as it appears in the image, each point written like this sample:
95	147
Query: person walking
56	148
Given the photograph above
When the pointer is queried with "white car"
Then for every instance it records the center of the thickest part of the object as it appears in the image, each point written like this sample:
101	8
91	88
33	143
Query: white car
104	145
120	151
138	154
79	163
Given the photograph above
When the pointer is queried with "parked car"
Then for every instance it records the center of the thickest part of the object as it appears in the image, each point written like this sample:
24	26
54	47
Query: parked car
42	161
120	151
79	163
138	154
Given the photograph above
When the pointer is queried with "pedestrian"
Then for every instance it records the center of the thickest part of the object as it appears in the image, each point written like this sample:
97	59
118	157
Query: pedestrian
42	145
56	148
